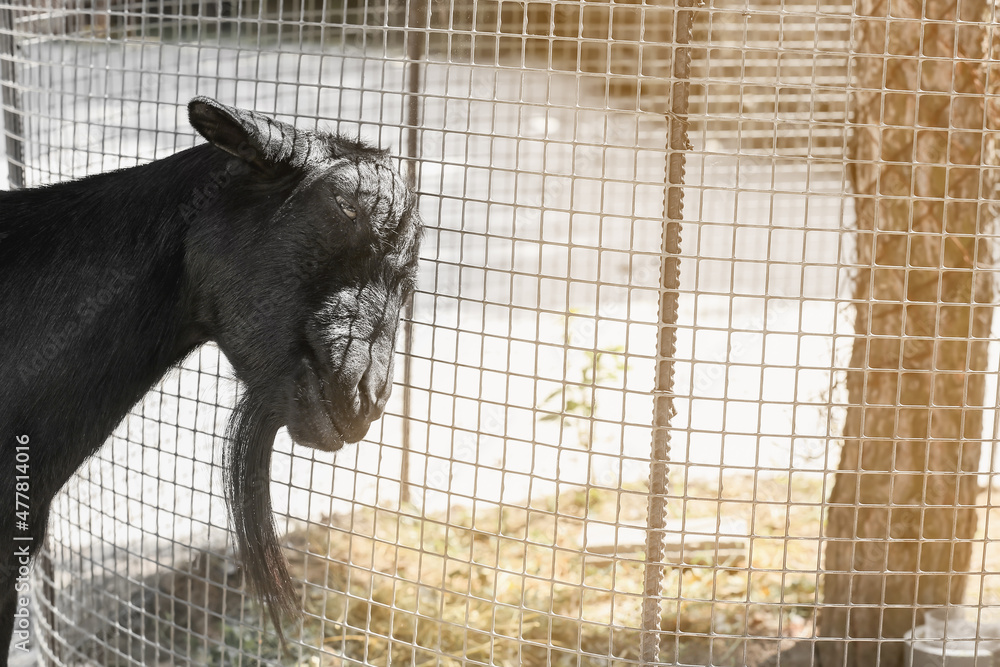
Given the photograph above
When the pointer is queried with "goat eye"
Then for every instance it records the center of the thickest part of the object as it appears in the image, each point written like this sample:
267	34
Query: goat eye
346	207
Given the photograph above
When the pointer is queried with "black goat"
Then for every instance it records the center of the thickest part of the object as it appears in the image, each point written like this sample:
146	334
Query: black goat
294	251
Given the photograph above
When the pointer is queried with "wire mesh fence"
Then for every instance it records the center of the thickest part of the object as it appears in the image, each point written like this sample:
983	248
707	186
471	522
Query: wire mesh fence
802	311
458	532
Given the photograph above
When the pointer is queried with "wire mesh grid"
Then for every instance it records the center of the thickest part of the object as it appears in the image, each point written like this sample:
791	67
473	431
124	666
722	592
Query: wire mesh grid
495	513
834	373
820	369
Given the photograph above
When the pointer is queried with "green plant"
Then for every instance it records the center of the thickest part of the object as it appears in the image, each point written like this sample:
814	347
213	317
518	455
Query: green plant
577	399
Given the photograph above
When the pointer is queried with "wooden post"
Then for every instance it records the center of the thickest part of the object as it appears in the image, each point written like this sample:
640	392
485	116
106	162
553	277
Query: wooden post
901	516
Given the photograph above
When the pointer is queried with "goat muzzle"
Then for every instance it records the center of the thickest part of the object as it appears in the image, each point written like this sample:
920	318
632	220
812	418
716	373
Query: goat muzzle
328	409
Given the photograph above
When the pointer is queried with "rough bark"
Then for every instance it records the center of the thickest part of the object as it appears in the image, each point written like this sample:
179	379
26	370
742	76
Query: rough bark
901	516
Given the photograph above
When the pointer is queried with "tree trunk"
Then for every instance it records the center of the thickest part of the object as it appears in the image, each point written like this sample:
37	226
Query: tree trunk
901	516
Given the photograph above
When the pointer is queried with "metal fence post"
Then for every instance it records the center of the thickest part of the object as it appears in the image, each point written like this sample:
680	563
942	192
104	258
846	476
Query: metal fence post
13	124
417	13
663	409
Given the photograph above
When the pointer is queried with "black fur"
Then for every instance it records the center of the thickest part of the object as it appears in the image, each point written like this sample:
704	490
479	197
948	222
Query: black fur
294	251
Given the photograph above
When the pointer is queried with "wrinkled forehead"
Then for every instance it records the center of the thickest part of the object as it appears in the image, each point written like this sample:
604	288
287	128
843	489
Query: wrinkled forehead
377	188
376	184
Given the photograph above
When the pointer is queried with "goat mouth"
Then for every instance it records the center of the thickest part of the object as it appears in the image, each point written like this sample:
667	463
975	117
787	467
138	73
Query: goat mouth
312	420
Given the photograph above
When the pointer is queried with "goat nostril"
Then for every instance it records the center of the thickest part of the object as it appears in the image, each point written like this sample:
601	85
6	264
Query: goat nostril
358	403
369	397
364	400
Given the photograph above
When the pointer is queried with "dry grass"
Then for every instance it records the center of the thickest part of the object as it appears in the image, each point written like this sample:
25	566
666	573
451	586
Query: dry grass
741	615
514	586
503	585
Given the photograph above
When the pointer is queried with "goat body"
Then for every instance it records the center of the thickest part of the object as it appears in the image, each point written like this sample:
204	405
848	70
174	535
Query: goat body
294	251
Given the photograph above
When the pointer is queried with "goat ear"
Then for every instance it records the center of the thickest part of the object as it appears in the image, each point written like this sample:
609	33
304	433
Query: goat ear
263	142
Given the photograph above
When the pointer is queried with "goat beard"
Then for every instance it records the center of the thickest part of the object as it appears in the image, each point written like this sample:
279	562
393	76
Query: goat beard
247	473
